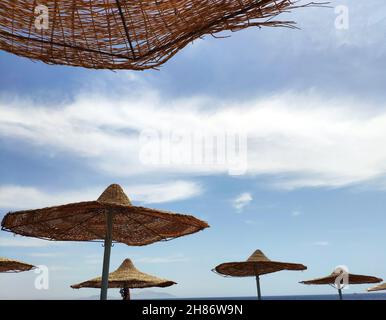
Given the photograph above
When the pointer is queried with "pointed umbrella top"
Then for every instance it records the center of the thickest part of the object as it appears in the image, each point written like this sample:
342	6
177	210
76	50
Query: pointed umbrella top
8	265
127	276
256	264
258	256
122	34
114	194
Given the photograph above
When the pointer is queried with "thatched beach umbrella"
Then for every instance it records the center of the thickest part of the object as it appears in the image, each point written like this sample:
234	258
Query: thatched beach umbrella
255	266
127	277
122	34
379	287
111	218
337	279
9	265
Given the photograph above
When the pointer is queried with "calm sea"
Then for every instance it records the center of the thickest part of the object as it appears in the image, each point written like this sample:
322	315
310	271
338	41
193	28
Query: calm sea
355	296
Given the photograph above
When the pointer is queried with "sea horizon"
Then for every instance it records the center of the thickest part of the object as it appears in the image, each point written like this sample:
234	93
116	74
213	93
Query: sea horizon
351	296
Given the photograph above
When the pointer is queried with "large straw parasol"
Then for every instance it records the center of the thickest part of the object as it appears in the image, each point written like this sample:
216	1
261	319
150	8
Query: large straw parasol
338	278
255	266
122	34
9	265
379	287
127	277
111	218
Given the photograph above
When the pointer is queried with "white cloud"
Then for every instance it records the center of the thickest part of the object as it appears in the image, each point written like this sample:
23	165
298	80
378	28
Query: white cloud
29	197
98	259
18	197
165	192
43	255
24	242
59	268
157	260
304	140
93	259
321	243
296	213
242	201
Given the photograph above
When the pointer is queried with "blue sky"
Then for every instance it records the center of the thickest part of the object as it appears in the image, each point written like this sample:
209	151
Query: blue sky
312	103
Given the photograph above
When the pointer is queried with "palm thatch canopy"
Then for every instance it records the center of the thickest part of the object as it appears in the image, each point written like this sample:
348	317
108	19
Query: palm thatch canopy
257	264
127	276
86	221
379	287
9	265
122	34
352	279
110	218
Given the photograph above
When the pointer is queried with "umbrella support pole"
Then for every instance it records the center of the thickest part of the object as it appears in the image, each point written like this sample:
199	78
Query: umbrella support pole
258	287
340	294
106	256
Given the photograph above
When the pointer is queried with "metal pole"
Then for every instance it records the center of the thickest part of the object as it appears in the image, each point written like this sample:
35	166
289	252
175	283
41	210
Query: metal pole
258	287
106	256
340	294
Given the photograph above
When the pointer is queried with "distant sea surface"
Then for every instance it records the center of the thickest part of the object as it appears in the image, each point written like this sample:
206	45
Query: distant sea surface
354	296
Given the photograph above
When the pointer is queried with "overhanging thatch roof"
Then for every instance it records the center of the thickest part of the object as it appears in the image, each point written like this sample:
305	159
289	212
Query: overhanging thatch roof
122	34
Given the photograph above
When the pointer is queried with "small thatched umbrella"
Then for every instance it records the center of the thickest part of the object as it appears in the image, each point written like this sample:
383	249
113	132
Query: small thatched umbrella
127	277
379	287
9	265
123	34
337	280
111	218
255	266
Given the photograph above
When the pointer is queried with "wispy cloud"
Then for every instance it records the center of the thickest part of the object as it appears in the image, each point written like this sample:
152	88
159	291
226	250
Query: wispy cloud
98	259
321	243
31	197
58	268
166	192
93	259
241	201
250	222
24	242
296	213
304	139
169	259
43	255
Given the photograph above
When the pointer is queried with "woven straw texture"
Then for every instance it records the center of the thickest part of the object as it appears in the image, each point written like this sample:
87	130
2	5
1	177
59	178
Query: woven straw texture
86	221
123	34
127	276
352	278
256	265
8	265
378	288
